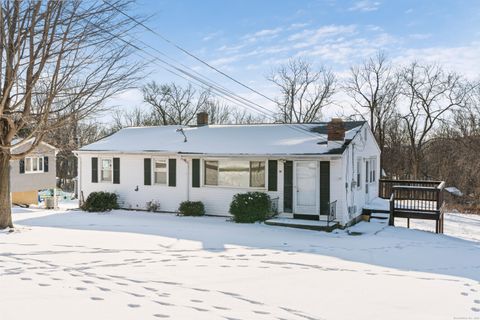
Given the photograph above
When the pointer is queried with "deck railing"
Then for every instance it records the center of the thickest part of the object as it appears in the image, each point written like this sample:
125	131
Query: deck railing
385	188
414	200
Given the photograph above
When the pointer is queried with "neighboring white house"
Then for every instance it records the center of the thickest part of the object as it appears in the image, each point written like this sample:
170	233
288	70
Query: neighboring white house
302	166
35	172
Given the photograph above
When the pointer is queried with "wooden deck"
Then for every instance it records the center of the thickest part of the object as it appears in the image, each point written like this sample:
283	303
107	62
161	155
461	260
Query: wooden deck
412	199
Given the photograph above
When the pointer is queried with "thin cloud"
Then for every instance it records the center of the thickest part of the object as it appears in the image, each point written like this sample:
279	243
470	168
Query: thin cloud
212	36
365	6
310	37
262	34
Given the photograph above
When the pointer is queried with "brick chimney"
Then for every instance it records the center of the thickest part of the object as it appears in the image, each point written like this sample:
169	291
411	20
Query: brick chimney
202	119
336	132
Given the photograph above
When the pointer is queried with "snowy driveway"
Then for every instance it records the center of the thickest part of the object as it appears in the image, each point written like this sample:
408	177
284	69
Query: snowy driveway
132	265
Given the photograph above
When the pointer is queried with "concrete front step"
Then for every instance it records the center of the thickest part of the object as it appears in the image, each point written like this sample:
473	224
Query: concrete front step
303	224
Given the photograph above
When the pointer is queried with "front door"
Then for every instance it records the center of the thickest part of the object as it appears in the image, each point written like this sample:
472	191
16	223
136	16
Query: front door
306	188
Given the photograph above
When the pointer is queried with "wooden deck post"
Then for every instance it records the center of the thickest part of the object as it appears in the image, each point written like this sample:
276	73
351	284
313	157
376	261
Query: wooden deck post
391	218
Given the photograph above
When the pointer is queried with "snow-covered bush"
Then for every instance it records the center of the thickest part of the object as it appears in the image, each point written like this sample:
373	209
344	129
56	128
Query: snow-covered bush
250	207
100	202
191	208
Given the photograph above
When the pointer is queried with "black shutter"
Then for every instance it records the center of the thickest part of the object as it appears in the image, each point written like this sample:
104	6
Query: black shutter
45	164
22	165
196	173
272	175
324	187
116	170
94	170
287	186
172	172
147	171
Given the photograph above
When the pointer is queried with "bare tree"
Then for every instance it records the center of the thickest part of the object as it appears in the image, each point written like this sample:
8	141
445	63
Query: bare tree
175	104
429	93
58	60
374	86
304	91
137	117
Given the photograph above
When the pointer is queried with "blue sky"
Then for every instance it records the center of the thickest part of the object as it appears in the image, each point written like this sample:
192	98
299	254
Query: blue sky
248	38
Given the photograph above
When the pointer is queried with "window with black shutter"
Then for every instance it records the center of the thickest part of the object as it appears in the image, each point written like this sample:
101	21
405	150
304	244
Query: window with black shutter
45	164
324	186
116	170
272	175
94	170
196	173
147	171
22	165
172	172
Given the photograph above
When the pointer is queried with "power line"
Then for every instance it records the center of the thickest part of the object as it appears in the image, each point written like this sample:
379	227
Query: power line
205	80
206	83
189	53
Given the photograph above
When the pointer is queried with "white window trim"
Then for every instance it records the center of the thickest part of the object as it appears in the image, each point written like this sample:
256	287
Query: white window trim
37	158
359	173
202	174
101	169
154	160
371	168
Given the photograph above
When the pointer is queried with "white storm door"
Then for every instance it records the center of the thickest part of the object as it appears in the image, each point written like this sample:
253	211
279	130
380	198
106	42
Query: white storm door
306	187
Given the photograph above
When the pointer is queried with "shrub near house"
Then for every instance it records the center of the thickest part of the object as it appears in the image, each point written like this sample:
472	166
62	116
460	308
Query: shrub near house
100	202
250	207
192	208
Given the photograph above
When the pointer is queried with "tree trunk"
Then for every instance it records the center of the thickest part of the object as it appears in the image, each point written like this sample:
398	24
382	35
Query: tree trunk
5	204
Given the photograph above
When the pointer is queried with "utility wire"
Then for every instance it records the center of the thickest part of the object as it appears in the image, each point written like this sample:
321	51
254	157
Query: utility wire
188	53
208	85
223	90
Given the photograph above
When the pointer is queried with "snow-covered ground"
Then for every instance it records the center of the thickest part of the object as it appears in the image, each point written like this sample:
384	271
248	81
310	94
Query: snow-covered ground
133	265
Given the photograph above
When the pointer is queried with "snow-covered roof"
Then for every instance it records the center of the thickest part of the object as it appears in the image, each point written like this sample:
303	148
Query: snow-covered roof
258	139
20	143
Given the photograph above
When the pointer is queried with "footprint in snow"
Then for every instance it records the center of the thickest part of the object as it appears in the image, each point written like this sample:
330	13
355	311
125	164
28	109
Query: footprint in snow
464	294
221	308
44	285
161	315
25	279
476	309
199	309
80	288
103	289
196	301
96	298
261	312
132	305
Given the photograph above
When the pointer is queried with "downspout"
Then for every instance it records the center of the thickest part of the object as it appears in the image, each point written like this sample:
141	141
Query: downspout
188	177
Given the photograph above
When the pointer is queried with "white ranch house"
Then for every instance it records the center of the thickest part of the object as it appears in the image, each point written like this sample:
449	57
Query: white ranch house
303	167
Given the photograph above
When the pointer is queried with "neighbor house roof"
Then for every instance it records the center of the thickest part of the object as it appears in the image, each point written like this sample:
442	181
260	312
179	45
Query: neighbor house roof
19	145
257	139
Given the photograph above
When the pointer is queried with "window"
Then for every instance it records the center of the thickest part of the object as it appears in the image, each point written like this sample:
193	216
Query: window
160	172
370	170
257	174
235	173
373	165
33	164
211	173
106	171
359	168
367	171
